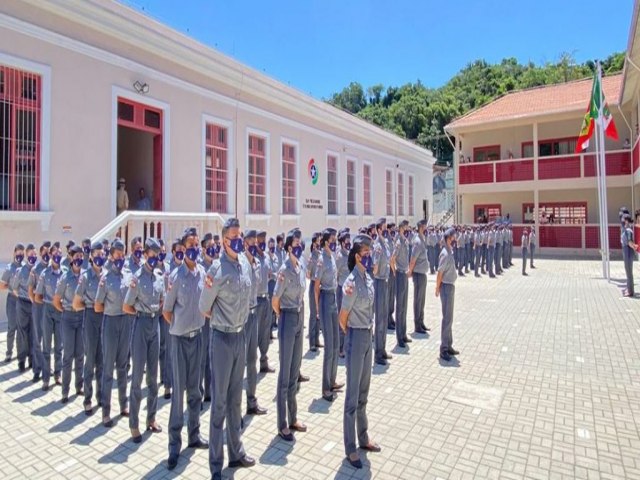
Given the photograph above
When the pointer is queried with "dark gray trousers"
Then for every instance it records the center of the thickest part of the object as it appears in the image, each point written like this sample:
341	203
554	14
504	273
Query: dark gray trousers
532	251
431	254
402	300
447	293
290	333
51	333
24	322
145	348
419	299
329	319
490	251
524	259
391	299
116	337
381	288
12	322
627	256
339	305
358	363
205	368
186	353
92	336
314	324
37	312
478	258
166	369
251	344
497	257
227	352
73	353
264	320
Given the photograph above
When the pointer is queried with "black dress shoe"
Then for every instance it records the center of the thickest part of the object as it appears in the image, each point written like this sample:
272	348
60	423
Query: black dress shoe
420	331
124	413
355	463
206	399
7	359
337	386
298	427
382	361
244	462
453	351
136	437
107	422
303	378
445	356
79	392
45	386
387	356
267	369
313	349
391	326
424	327
257	410
36	378
64	400
329	398
172	461
402	345
287	437
407	340
216	476
199	444
167	394
21	367
57	379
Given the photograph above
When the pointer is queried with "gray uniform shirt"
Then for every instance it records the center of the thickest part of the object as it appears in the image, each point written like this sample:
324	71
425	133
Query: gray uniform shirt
419	253
263	275
35	274
342	266
357	299
66	289
227	291
401	252
532	239
182	298
447	266
312	263
291	285
254	274
381	257
525	241
20	281
9	273
112	288
146	291
88	286
326	272
131	264
47	283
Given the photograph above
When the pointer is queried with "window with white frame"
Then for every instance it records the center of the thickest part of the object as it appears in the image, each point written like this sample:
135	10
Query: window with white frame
257	174
410	195
366	188
400	193
389	191
332	185
289	200
216	169
351	187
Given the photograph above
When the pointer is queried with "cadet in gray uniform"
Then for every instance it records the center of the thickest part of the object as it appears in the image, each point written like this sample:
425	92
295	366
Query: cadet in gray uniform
274	266
209	252
498	251
314	322
5	282
37	312
166	371
86	253
477	250
400	265
134	262
51	327
344	239
391	302
66	262
181	310
629	247
445	289
418	267
84	300
20	287
356	319
491	248
116	330
144	300
532	245
263	310
381	271
71	321
288	300
525	247
431	249
251	324
325	284
225	300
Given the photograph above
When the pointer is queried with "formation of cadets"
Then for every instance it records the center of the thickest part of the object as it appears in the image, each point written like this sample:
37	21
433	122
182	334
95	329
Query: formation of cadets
200	324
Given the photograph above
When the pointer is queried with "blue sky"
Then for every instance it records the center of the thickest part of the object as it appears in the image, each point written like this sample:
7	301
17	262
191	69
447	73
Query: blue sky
319	46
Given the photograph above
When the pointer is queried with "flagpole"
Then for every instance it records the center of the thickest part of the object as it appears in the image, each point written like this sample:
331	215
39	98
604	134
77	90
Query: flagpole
603	177
601	231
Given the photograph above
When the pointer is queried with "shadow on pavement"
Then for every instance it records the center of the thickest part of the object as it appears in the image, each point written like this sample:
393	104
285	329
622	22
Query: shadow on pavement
319	405
121	453
19	386
453	363
346	470
276	452
160	470
69	423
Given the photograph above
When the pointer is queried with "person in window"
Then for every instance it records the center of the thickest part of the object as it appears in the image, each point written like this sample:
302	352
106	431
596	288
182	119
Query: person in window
627	144
144	203
123	197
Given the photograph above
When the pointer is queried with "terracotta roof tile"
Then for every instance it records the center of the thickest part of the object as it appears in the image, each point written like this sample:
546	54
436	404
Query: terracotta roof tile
564	97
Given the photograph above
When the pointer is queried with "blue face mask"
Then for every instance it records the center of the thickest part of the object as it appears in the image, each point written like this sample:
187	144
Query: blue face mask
78	262
210	251
162	256
32	259
347	246
253	250
137	254
393	233
57	259
272	249
366	261
179	255
46	258
19	258
237	245
86	250
374	236
407	233
297	252
332	246
192	253
118	264
152	262
262	246
98	261
385	233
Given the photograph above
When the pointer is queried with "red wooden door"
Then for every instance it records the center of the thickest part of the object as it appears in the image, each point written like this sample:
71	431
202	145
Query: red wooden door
157	173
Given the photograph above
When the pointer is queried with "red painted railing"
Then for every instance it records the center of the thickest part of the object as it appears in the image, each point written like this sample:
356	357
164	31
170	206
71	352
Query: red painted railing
517	235
560	236
476	173
572	236
636	156
616	163
558	167
514	171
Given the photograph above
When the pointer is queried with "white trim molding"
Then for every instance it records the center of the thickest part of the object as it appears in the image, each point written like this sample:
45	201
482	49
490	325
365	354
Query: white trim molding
231	160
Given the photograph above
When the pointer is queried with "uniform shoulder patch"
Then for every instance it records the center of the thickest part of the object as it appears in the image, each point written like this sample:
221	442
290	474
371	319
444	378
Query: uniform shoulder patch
208	281
349	286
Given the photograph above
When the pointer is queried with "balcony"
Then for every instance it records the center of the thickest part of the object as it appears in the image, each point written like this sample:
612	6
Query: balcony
576	237
548	168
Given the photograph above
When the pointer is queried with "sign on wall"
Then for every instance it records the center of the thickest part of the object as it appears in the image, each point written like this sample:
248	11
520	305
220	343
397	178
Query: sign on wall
312	168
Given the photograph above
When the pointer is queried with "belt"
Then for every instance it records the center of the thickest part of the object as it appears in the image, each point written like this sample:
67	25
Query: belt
191	334
27	300
227	329
252	310
328	290
147	315
263	297
292	310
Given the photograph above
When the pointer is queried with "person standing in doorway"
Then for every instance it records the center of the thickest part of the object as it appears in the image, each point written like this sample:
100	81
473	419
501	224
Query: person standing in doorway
122	197
143	203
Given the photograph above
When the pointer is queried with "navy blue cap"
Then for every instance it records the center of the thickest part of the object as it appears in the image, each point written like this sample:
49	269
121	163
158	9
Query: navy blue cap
250	234
96	246
152	244
188	232
404	223
70	244
231	223
206	239
86	241
75	249
117	244
216	238
262	234
30	246
343	236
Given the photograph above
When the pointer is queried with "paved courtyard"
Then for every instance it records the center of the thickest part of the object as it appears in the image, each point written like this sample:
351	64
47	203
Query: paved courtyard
547	386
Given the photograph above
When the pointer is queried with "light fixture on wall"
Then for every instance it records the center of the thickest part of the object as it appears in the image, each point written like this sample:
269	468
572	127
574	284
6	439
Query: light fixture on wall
140	87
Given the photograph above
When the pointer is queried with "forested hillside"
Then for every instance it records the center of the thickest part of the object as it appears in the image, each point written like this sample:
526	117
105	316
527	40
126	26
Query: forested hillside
419	113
